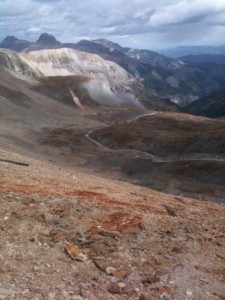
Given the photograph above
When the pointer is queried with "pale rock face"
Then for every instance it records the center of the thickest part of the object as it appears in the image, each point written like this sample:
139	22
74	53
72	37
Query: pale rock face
62	62
109	83
11	60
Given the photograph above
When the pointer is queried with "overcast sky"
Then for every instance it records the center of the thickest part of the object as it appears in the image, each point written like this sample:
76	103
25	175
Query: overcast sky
149	24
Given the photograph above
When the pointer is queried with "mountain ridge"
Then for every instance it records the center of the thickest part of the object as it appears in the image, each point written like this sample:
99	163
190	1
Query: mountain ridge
112	81
106	83
168	78
193	50
203	58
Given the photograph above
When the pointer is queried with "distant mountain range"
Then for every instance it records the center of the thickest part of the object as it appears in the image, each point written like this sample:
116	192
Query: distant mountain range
181	51
45	41
168	78
203	58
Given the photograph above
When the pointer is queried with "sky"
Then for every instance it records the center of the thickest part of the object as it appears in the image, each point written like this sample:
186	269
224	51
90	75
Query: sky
146	24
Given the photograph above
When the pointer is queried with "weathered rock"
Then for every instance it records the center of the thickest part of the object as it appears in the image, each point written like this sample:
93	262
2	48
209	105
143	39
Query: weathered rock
110	270
118	288
74	252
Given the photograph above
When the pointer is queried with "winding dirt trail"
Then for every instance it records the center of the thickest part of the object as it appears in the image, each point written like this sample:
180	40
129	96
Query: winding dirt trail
155	158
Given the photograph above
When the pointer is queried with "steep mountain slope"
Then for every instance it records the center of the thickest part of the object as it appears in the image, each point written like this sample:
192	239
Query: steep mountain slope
12	61
212	106
155	59
108	81
144	56
169	78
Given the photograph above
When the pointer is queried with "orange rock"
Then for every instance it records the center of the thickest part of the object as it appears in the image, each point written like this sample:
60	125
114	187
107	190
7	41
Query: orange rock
74	252
119	274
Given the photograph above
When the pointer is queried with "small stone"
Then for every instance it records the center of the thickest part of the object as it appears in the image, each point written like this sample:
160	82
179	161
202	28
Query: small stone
6	218
189	293
110	270
117	288
36	268
121	284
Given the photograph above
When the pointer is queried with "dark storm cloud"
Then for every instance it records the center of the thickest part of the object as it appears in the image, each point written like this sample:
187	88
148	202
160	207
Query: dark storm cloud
134	22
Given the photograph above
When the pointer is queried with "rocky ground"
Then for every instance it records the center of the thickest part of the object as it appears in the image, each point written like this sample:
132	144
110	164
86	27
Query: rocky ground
69	235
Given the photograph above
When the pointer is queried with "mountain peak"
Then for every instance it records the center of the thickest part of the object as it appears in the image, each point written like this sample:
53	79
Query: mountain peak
106	43
10	39
12	43
46	38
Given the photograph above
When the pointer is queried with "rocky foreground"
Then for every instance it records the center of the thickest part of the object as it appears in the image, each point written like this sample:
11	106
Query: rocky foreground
68	235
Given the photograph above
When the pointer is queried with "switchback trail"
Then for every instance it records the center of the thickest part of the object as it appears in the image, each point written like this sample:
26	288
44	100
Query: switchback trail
155	158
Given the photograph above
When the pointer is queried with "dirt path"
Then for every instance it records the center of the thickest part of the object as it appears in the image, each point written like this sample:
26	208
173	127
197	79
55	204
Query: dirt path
155	158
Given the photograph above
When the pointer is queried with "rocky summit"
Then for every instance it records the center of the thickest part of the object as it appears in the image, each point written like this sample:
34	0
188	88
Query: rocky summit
48	39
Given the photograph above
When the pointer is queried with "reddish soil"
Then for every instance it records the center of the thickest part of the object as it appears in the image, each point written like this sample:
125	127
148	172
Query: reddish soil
139	244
